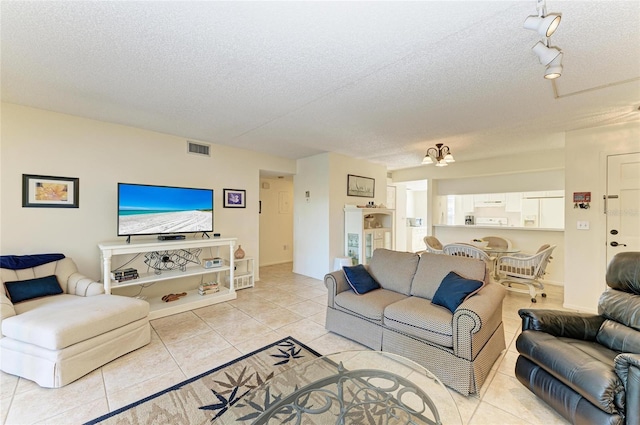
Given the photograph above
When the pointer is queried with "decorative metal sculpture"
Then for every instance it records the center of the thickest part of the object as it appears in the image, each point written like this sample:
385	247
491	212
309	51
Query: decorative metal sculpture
172	260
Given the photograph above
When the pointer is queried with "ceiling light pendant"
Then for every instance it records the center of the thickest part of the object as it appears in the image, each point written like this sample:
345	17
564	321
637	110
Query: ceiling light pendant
440	155
544	25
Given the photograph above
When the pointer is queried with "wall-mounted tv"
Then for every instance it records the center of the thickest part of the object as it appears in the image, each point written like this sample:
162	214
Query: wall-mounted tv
158	210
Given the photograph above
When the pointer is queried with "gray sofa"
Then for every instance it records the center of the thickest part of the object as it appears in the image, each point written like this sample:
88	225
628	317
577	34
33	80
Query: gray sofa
459	348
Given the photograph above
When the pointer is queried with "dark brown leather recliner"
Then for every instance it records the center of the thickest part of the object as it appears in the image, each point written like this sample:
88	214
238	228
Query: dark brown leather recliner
586	366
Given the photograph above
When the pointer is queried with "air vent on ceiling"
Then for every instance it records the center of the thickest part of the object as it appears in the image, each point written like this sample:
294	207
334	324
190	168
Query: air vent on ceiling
198	148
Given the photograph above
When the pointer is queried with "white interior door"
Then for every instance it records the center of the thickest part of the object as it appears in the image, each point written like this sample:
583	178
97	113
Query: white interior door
623	204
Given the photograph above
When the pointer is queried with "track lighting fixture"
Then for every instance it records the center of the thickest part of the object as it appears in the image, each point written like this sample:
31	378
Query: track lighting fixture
440	155
545	25
554	69
545	54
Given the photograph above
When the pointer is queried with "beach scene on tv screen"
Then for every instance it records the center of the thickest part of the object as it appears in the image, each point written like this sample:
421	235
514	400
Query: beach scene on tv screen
145	210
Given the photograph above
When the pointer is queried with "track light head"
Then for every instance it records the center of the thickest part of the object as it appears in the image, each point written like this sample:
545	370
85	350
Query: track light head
544	25
554	70
545	54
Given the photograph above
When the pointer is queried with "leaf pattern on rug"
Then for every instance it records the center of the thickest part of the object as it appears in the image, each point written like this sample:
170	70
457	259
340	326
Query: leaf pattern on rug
290	351
243	382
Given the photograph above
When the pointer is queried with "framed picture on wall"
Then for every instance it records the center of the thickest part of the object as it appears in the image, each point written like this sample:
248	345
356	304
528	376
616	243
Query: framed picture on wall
50	191
234	198
364	187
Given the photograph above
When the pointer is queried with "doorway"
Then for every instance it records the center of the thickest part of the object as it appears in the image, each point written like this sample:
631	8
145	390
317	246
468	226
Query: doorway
275	219
622	204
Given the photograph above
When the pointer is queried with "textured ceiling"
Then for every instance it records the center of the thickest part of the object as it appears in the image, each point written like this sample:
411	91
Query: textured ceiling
381	81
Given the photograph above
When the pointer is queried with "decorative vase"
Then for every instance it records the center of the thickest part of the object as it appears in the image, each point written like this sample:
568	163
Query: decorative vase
239	253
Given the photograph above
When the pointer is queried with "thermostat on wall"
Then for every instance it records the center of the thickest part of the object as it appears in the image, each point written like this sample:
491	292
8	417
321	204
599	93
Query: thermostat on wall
209	263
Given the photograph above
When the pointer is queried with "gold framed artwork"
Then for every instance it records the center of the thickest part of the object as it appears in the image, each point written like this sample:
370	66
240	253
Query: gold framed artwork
50	191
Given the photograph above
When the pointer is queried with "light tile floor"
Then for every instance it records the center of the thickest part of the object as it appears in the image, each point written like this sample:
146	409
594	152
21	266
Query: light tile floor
281	304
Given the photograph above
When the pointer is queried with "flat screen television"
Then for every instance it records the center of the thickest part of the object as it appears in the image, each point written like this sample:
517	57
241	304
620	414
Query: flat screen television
161	210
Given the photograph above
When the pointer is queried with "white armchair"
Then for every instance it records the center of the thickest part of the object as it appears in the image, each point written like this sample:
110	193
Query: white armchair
56	339
433	245
464	250
525	269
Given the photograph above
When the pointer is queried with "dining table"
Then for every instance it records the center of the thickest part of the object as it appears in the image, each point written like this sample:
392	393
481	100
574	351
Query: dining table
495	254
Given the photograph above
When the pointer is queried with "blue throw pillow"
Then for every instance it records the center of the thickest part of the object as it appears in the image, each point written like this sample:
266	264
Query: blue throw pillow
23	290
359	279
454	289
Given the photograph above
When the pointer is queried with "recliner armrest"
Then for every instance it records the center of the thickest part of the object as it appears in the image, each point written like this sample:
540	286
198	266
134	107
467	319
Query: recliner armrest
627	367
559	323
83	286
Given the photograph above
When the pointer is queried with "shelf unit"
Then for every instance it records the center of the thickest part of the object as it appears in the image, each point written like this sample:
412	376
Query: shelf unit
367	229
159	308
244	274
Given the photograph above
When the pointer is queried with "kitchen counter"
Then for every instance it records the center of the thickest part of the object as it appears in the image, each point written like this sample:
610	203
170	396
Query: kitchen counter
474	226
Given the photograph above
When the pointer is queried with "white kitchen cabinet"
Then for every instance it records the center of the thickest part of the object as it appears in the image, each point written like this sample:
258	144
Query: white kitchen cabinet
552	213
415	240
367	229
513	202
489	200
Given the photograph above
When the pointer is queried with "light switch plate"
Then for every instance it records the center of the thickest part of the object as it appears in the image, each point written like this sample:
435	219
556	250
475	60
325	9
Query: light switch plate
583	225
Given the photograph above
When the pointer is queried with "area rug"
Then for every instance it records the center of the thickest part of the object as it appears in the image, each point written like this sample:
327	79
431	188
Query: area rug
206	397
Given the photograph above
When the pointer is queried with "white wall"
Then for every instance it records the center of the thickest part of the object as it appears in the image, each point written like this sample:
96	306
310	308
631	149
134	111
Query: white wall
276	221
319	219
101	155
520	182
586	152
311	216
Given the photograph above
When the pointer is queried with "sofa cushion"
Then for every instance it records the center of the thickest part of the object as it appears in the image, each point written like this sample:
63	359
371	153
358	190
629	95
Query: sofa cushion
394	270
454	289
23	290
585	366
359	279
369	306
61	321
419	318
433	268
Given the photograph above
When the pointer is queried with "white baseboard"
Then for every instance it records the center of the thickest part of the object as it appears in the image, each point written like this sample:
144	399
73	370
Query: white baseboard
275	263
579	308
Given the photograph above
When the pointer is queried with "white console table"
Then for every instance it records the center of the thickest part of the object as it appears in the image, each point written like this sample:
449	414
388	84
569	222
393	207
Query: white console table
159	308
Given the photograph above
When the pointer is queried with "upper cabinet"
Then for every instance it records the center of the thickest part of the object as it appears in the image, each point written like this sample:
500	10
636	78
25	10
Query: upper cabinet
541	209
489	200
513	202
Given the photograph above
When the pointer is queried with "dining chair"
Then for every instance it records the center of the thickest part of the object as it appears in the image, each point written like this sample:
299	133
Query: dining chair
525	269
433	244
466	250
497	242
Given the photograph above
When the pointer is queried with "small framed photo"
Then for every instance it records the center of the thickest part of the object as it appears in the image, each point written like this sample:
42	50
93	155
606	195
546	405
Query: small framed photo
364	187
234	198
50	191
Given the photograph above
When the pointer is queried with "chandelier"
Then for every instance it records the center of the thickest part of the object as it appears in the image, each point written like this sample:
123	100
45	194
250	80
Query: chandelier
440	155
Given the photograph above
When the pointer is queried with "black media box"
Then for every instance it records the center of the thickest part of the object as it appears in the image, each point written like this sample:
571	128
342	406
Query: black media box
171	237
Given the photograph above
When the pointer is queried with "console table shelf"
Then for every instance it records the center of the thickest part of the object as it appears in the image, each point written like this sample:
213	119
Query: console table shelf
167	275
193	299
